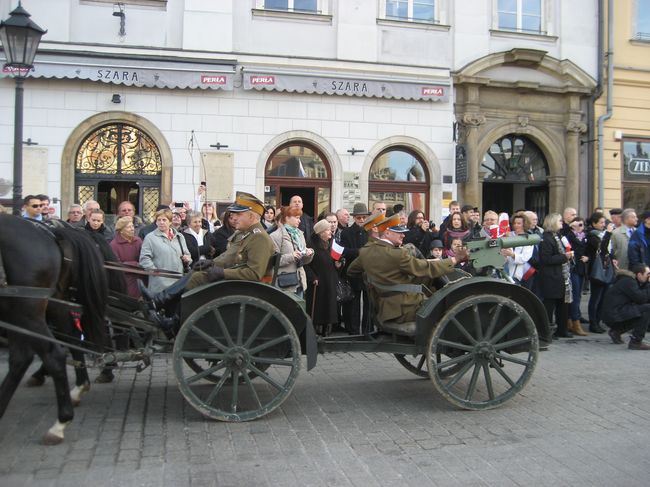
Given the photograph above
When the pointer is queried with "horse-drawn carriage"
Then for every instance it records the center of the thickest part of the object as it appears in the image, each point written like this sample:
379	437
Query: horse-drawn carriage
239	348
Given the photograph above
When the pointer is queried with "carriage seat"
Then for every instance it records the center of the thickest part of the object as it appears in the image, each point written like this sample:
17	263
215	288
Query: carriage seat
407	328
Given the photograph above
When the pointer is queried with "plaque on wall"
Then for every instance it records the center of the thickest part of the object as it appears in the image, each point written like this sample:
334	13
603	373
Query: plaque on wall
461	163
218	173
351	191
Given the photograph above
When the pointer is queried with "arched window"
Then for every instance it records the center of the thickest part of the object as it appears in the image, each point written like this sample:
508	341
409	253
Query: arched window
297	168
399	176
119	162
515	158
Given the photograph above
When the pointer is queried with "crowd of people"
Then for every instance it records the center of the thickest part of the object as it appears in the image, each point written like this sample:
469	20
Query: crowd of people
609	257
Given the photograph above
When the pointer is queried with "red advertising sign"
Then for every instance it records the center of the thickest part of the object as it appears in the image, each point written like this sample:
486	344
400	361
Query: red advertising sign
262	80
212	79
433	91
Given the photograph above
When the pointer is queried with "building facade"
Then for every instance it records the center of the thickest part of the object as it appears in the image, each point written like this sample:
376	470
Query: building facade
626	135
409	102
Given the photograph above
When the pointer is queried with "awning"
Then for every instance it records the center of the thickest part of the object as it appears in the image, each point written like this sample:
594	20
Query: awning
132	72
333	84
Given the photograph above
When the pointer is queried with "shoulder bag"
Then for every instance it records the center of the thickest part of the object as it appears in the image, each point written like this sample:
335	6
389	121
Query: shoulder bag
602	272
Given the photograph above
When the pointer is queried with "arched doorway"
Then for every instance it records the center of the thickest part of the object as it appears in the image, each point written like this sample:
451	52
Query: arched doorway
515	176
298	168
119	162
399	176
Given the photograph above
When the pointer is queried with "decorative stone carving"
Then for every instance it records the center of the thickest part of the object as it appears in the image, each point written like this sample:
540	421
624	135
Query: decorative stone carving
522	120
576	127
473	119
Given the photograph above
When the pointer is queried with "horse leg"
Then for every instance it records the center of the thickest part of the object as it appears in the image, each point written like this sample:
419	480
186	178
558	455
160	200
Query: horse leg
82	381
20	357
53	357
38	378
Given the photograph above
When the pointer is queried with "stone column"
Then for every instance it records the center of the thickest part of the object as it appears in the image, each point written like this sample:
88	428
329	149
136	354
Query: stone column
573	130
556	194
471	193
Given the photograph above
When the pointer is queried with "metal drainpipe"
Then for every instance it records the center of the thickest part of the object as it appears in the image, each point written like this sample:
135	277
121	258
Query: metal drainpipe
608	114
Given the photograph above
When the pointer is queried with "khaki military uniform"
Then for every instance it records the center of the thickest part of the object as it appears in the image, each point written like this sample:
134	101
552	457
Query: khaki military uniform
386	264
247	257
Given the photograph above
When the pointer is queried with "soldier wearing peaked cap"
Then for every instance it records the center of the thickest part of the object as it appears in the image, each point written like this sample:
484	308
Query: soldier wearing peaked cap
247	257
385	262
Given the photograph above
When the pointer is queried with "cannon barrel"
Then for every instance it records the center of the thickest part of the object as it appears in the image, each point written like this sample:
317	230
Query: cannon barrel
486	253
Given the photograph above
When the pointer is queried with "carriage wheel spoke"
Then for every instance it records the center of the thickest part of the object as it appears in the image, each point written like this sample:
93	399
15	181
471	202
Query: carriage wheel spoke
272	361
462	329
506	377
488	381
493	321
512	343
459	346
240	323
269	344
514	360
257	330
205	373
461	373
208	338
252	389
267	378
472	382
503	331
235	391
202	355
216	389
421	362
224	328
477	323
454	361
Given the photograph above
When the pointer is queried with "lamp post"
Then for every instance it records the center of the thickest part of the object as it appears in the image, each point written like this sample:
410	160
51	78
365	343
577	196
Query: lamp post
20	38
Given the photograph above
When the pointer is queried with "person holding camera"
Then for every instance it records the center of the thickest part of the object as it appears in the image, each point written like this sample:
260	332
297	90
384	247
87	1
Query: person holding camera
289	242
418	231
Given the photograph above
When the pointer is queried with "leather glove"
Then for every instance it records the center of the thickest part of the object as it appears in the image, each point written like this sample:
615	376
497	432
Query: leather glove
215	273
202	265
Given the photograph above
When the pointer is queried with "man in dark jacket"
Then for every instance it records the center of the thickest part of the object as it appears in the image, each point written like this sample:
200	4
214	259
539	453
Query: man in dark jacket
638	249
628	306
306	222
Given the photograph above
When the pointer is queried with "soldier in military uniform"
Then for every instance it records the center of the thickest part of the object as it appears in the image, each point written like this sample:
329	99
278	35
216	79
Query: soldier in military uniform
247	257
385	262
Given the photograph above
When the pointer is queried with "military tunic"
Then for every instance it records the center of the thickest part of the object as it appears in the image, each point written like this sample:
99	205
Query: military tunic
247	257
386	264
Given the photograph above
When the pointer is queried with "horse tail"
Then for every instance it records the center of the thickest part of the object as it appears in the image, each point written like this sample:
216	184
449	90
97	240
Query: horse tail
90	283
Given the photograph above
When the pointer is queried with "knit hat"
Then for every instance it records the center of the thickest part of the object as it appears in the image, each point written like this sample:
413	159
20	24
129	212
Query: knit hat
321	226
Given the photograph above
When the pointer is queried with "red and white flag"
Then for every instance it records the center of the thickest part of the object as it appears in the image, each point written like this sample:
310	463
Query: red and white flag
494	231
566	243
336	251
529	271
504	224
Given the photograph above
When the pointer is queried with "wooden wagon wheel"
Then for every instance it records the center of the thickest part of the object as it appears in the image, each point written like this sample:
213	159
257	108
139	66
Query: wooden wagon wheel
240	335
416	364
200	366
489	347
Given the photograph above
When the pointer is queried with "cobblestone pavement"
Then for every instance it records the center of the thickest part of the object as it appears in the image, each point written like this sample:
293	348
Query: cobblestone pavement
356	419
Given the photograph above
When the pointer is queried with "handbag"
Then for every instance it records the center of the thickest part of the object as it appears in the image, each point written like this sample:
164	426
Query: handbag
602	272
344	293
287	279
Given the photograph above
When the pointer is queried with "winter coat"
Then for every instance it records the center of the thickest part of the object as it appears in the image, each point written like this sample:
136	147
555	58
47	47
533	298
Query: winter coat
620	243
579	247
549	273
196	250
322	268
623	298
220	238
103	230
594	242
352	239
285	247
638	250
517	265
158	252
128	253
306	225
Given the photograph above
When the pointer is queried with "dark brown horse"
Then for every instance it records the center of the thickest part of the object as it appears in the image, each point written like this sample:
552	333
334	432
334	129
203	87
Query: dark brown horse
33	257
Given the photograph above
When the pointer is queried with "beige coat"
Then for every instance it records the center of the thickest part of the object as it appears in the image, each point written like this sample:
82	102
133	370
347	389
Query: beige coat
284	246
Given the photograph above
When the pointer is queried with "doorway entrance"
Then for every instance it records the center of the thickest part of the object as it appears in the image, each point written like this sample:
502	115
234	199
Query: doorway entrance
308	196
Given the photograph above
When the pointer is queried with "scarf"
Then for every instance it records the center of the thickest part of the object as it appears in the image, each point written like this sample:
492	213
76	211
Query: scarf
579	235
566	271
294	233
198	236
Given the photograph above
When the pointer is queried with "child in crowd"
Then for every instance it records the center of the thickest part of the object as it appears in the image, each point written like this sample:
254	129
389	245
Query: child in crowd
436	250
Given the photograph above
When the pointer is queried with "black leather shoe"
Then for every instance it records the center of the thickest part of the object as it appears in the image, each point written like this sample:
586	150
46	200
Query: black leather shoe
584	320
638	345
147	296
595	327
565	334
615	335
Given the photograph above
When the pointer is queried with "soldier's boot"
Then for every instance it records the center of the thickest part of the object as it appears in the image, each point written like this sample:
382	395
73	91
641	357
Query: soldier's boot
577	329
159	300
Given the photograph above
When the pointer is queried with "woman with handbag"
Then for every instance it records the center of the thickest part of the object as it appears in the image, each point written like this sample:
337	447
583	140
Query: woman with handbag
598	236
289	242
578	240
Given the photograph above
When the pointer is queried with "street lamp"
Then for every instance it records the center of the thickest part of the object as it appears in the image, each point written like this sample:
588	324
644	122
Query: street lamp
20	38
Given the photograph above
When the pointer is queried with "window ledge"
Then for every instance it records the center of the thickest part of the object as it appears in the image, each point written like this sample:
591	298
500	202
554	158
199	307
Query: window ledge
414	24
635	41
291	16
144	3
527	35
